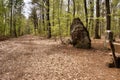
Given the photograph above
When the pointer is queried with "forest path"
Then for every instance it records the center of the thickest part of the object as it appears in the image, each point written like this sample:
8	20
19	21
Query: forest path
35	58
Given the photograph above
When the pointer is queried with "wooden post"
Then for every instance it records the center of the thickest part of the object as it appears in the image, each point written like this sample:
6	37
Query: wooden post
112	48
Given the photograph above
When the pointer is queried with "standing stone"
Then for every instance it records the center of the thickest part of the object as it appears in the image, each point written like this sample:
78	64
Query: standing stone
79	35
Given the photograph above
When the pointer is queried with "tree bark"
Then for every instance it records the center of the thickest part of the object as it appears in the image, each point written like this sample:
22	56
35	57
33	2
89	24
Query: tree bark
11	18
119	27
97	24
5	22
48	19
86	13
53	13
59	14
68	11
35	19
43	18
108	17
74	9
91	17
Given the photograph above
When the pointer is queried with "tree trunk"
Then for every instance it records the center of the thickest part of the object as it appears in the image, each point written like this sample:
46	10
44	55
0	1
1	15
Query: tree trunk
35	19
53	13
11	18
68	11
48	18
97	24
74	9
14	26
5	14
108	17
59	14
40	23
43	17
86	13
91	28
119	27
103	15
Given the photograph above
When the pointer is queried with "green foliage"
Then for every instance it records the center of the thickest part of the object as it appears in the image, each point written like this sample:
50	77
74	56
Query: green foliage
60	18
18	17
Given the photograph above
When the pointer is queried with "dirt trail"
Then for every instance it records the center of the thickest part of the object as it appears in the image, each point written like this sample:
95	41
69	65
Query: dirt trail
34	58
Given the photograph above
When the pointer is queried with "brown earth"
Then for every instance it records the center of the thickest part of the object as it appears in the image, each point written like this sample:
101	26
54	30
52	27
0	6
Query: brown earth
36	58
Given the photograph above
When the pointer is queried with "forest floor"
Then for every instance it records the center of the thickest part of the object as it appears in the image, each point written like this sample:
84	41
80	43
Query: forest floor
36	58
